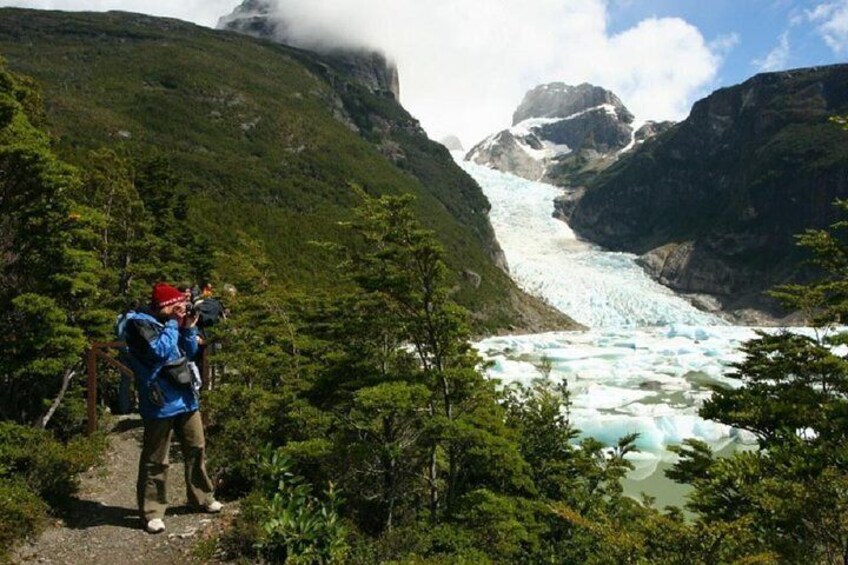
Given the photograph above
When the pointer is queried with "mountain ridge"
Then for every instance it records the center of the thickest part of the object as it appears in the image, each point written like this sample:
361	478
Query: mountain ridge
257	132
263	19
713	203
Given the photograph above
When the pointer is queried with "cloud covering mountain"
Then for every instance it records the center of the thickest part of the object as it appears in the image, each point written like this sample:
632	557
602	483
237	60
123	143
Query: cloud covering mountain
465	64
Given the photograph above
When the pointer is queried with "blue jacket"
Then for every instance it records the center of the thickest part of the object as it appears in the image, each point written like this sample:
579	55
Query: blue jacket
151	344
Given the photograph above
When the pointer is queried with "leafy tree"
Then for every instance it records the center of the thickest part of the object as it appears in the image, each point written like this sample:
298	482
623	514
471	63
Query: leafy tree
49	297
399	267
386	423
792	397
125	242
399	270
183	252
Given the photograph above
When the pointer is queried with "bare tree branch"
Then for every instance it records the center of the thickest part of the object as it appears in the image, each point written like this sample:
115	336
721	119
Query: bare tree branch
66	381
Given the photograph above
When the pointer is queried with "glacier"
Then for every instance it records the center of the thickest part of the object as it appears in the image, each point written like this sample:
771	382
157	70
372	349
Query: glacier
595	287
649	358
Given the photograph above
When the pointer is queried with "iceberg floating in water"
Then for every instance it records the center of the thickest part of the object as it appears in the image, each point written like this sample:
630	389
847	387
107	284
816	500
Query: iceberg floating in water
649	381
650	359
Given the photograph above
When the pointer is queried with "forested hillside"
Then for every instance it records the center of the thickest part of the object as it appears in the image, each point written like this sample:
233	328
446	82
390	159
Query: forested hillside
254	132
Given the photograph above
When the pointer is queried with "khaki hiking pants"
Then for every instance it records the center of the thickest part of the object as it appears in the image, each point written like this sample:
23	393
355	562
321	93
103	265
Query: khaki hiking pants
152	487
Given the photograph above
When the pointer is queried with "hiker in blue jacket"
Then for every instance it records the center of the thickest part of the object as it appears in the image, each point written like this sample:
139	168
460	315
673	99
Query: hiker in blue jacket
161	341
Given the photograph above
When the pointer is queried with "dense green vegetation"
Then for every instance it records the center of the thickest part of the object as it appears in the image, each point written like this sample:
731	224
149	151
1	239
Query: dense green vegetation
375	398
49	305
357	426
424	461
260	135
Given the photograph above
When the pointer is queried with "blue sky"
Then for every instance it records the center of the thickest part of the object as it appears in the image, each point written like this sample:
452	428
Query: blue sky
760	27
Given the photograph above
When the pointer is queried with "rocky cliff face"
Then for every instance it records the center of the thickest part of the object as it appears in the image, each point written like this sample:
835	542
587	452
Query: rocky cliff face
649	129
713	202
266	19
561	134
559	100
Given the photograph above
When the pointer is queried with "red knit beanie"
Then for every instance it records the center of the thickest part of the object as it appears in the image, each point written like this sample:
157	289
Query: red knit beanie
165	295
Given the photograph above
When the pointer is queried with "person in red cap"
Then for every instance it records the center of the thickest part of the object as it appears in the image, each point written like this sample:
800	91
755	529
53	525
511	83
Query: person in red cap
161	341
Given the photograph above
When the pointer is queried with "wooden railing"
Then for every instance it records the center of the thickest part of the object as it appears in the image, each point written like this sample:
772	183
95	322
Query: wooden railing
101	351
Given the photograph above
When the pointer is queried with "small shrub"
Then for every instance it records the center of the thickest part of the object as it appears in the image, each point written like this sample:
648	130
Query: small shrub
418	544
239	541
298	527
240	424
46	466
22	514
283	522
86	452
70	419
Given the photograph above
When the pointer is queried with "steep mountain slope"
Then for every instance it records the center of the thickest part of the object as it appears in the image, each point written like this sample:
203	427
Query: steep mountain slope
714	201
366	98
268	138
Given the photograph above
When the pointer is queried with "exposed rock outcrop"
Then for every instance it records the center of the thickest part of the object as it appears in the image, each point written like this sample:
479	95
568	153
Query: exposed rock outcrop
650	128
561	134
713	203
559	100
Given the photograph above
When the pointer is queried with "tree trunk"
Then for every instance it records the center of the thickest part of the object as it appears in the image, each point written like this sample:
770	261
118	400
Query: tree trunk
432	474
434	489
452	464
66	381
389	469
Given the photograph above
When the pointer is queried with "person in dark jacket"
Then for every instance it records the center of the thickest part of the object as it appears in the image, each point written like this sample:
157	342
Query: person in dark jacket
161	341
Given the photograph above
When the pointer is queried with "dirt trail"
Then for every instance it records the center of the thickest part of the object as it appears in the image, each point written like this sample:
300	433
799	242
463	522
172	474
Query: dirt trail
102	526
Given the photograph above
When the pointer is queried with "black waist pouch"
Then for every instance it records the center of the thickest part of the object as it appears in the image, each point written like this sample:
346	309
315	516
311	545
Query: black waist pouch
178	372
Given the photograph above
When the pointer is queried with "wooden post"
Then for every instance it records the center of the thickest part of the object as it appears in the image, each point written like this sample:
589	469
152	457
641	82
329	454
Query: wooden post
204	368
91	369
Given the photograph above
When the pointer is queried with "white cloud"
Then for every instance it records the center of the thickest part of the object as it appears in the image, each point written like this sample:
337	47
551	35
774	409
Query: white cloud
724	44
777	58
832	20
466	64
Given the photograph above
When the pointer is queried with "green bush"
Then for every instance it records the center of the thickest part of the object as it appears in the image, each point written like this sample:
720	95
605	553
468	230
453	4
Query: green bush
48	468
239	540
297	526
71	417
240	423
283	521
418	544
22	514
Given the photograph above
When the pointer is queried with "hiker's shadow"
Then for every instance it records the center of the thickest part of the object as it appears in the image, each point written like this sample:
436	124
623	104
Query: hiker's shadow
84	514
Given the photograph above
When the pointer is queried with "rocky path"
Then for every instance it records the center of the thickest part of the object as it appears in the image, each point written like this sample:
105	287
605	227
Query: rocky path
101	525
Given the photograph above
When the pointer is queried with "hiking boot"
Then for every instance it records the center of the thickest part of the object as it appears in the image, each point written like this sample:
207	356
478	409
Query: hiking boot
155	526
